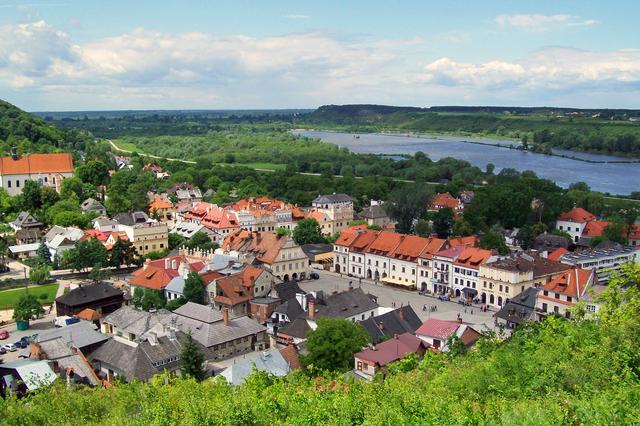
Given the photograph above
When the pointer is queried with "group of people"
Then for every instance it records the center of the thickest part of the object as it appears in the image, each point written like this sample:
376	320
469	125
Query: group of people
432	308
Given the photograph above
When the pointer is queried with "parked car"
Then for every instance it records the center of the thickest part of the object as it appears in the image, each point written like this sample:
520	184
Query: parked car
10	347
314	275
20	344
2	350
444	297
4	334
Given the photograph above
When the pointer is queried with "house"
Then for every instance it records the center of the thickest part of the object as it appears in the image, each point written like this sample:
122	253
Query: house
437	333
319	254
278	254
573	222
239	368
265	214
466	268
337	207
185	192
129	324
354	305
105	224
442	263
518	309
566	290
101	297
395	322
161	209
291	356
157	274
293	333
446	200
235	291
188	229
25	220
59	239
91	205
147	237
507	277
24	375
605	258
224	336
375	360
47	169
548	243
375	215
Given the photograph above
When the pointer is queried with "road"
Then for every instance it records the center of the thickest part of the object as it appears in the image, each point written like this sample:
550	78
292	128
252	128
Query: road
330	282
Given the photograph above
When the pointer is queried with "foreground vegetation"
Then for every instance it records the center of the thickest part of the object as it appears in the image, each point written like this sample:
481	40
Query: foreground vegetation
555	372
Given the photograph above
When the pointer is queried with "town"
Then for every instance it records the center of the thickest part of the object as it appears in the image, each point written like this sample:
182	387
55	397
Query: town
190	287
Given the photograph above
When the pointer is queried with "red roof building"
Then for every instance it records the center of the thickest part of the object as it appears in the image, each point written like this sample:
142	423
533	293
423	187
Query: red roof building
577	215
156	274
564	291
375	360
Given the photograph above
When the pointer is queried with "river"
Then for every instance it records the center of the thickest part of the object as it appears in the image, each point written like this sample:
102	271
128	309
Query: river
615	178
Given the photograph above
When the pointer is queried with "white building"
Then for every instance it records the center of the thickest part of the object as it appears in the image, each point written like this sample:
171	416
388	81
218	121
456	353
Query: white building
48	169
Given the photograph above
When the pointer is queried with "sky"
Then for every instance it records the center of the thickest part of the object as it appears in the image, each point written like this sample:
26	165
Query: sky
58	55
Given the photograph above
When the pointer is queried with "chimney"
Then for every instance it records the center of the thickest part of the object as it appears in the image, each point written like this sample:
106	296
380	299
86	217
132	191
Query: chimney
312	309
174	264
167	263
152	338
146	264
225	316
402	314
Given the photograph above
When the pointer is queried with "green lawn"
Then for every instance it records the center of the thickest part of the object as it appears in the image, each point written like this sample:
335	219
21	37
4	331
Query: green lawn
8	298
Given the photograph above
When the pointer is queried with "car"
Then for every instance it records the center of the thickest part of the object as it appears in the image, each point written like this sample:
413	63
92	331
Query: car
10	347
2	350
314	275
4	334
444	297
20	344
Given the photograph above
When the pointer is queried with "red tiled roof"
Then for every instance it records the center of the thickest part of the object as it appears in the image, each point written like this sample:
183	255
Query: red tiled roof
393	349
472	257
98	235
440	329
578	215
557	254
89	314
290	354
594	228
318	216
385	243
471	240
156	276
435	245
264	245
410	247
37	163
573	282
444	200
346	238
238	288
159	203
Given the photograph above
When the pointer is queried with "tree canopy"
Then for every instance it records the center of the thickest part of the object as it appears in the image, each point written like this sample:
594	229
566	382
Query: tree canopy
331	346
307	231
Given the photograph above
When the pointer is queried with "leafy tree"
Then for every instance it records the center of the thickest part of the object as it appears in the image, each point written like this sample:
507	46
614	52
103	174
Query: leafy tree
39	274
494	241
307	231
147	299
194	290
27	307
97	274
406	204
332	344
202	241
85	255
616	231
443	222
175	240
72	219
31	196
174	304
192	360
94	172
462	228
72	185
283	232
122	253
525	237
423	228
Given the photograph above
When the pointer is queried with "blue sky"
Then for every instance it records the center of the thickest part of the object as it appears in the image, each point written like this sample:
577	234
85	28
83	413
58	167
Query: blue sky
89	55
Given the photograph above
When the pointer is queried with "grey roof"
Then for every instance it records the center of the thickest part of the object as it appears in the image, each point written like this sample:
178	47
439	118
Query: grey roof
130	320
373	212
103	221
89	293
176	285
391	323
219	262
53	232
25	219
91	204
312	250
520	308
56	348
80	335
214	333
287	290
198	312
187	229
33	373
271	362
131	218
333	198
345	304
296	328
291	308
550	242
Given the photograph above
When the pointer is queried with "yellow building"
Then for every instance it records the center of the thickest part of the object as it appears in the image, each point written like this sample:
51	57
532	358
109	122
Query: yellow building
148	237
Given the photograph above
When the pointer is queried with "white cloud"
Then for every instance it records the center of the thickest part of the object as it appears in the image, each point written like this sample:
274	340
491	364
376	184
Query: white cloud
296	16
548	69
539	22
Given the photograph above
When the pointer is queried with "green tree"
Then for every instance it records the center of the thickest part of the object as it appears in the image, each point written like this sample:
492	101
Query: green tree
85	255
462	228
31	196
283	232
97	274
616	231
94	172
72	185
27	307
43	255
175	240
202	241
423	228
492	240
307	231
122	253
406	204
332	344
443	222
147	299
192	360
39	274
194	290
174	304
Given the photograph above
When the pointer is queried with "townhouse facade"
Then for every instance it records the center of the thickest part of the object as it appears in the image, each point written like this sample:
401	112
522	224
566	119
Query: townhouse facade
47	169
338	208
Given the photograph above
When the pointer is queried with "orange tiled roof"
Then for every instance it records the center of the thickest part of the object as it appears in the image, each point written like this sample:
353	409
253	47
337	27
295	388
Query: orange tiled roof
578	215
37	163
237	288
89	314
318	216
346	238
290	354
156	275
410	247
573	282
98	235
385	243
444	200
434	246
471	241
557	254
159	203
264	245
595	228
472	257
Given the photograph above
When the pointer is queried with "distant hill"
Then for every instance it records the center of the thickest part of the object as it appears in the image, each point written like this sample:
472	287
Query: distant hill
30	133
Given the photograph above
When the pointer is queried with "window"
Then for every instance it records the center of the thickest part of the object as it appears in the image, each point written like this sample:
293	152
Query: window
591	308
17	184
557	296
544	307
506	289
8	183
569	299
545	292
556	309
500	287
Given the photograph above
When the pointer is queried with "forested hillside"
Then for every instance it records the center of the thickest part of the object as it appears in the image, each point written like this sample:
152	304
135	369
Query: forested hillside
555	372
32	134
606	131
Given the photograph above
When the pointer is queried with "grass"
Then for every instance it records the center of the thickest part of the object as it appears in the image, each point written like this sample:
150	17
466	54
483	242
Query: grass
8	298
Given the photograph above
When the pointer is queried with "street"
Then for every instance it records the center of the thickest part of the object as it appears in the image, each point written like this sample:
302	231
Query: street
330	282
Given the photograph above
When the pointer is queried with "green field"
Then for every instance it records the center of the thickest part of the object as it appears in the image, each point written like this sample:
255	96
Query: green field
8	298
